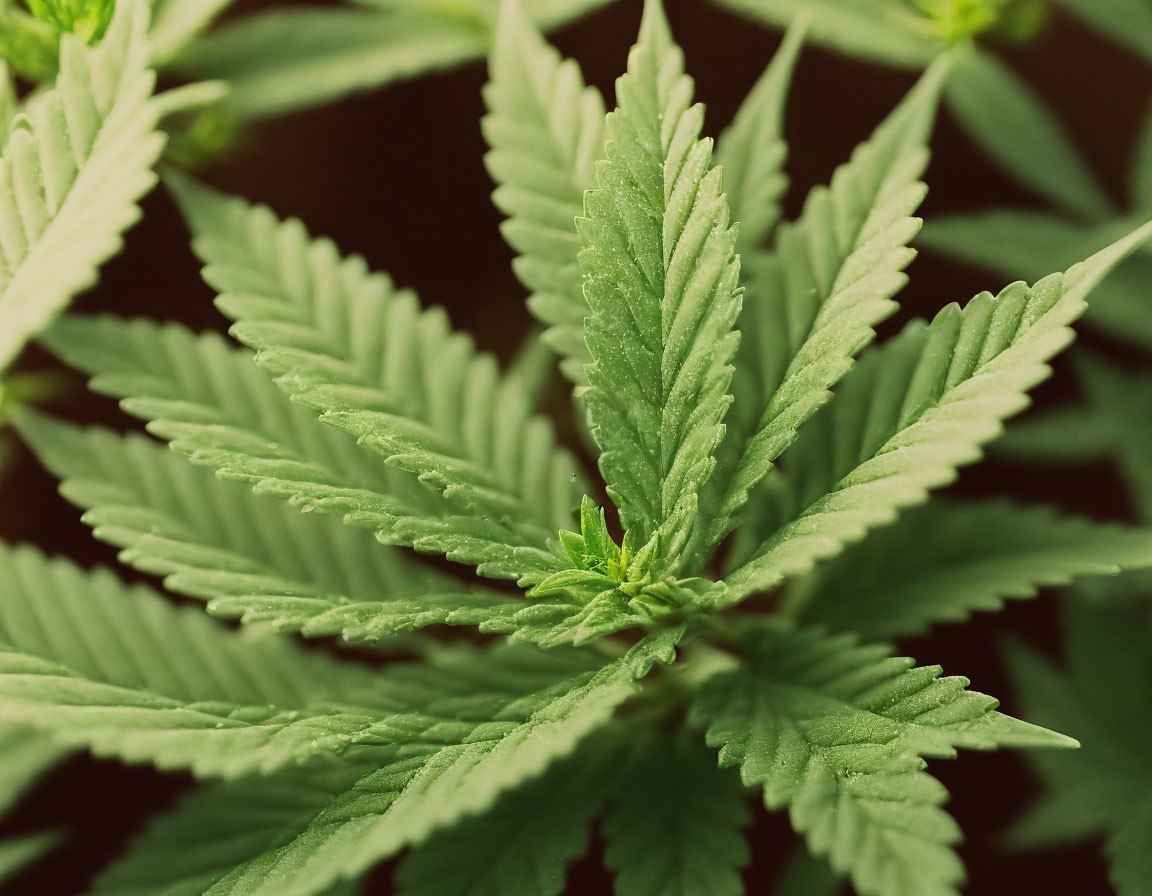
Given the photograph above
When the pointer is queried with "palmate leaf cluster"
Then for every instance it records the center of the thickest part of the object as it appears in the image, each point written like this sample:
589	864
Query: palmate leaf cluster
743	457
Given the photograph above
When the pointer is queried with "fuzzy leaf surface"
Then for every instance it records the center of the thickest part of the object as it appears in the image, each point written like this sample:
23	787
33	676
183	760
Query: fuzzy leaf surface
370	361
209	400
813	303
88	661
835	732
920	408
661	280
250	557
404	794
545	132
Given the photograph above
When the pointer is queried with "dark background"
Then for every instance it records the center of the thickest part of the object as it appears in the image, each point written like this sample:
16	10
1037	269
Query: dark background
397	176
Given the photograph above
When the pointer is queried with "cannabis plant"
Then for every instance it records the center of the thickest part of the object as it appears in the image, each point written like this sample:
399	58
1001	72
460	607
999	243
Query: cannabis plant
702	623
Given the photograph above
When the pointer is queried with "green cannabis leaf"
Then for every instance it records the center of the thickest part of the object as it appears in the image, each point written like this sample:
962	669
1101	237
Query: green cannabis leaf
546	133
835	731
1104	791
662	285
349	464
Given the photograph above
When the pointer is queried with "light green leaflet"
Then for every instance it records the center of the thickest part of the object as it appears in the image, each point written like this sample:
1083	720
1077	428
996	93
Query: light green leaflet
259	560
886	31
997	109
185	385
71	174
1015	127
338	823
89	662
939	393
752	150
661	282
545	131
835	732
1024	243
374	363
816	299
